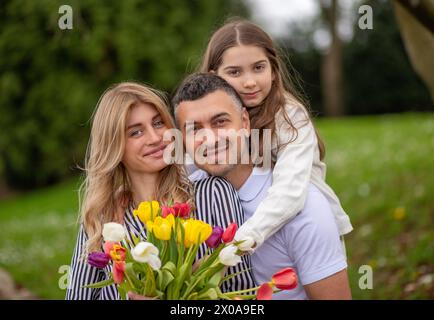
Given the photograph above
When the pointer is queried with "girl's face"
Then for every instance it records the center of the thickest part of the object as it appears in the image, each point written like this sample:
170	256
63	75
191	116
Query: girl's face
144	144
248	70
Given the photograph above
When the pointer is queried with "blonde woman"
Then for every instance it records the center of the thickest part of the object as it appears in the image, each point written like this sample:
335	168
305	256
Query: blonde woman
124	166
124	157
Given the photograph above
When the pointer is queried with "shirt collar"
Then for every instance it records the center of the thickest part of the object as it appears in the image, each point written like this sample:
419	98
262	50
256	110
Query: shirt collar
254	184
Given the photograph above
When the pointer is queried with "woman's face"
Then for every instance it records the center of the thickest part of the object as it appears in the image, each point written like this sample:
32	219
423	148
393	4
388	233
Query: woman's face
144	145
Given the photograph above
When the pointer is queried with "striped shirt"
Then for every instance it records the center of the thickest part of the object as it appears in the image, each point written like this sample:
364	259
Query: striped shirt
217	203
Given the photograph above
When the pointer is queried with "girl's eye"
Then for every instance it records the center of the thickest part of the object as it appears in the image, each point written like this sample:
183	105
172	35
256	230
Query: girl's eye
259	67
234	73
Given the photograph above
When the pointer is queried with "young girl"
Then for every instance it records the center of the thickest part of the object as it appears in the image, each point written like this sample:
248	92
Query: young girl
124	166
245	56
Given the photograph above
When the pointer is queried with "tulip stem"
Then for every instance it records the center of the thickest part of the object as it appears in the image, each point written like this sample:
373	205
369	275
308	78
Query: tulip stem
234	293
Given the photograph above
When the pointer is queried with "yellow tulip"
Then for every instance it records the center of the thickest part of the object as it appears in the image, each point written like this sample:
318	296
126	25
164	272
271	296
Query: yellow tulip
147	211
171	219
162	228
149	225
196	232
187	224
155	208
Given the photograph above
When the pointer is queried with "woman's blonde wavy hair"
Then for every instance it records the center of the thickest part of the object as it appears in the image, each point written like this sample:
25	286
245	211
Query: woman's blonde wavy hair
106	188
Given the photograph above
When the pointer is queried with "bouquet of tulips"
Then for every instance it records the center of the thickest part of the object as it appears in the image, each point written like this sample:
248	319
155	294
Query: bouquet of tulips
162	265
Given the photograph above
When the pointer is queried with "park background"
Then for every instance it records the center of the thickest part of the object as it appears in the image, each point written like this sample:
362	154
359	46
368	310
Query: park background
370	90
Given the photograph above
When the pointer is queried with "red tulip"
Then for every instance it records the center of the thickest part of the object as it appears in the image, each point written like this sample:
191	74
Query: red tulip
285	279
118	271
265	292
181	210
229	233
165	211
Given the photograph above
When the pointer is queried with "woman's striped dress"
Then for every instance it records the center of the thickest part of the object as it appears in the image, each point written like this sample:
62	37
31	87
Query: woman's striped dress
217	203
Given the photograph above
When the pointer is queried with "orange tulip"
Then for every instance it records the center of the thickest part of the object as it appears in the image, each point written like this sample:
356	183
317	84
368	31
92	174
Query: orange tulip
117	253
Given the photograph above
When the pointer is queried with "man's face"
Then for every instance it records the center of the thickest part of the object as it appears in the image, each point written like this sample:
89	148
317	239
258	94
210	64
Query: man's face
213	130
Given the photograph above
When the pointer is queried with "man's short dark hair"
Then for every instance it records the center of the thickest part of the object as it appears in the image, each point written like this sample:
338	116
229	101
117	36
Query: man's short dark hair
199	85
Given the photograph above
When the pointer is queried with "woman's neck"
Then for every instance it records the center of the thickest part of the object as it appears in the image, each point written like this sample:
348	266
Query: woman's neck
143	187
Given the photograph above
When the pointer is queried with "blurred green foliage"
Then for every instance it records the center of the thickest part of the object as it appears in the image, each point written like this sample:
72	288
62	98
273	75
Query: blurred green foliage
378	77
50	79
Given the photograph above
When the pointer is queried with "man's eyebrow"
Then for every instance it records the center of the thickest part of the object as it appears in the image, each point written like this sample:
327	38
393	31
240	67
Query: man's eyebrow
221	114
195	123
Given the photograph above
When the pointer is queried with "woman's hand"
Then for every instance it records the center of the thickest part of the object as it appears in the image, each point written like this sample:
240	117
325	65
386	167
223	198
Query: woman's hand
135	296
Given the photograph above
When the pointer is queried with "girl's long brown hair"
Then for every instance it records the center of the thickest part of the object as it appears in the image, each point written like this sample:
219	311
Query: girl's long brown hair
283	89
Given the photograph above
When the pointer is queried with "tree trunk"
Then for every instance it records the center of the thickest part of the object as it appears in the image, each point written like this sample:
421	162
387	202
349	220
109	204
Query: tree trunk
419	43
421	10
331	66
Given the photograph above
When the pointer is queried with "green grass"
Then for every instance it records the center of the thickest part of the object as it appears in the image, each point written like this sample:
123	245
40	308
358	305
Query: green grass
382	169
37	237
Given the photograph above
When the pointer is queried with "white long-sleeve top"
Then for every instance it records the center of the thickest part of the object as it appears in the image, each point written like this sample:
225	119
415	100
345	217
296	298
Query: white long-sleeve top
296	165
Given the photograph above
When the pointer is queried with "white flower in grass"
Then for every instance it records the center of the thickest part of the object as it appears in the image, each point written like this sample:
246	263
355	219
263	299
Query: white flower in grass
228	256
146	252
113	232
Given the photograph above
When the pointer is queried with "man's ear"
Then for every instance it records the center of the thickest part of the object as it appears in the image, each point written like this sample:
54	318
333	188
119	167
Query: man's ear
245	120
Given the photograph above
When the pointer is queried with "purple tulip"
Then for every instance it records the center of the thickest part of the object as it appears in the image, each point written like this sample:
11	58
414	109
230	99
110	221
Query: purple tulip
98	259
215	238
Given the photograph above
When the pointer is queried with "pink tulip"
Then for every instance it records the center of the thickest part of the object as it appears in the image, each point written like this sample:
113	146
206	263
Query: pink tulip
108	246
165	211
118	271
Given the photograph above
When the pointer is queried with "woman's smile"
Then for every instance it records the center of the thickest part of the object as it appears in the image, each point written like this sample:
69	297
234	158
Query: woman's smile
156	152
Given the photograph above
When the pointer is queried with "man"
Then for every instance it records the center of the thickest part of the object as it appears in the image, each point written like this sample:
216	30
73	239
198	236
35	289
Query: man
310	242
